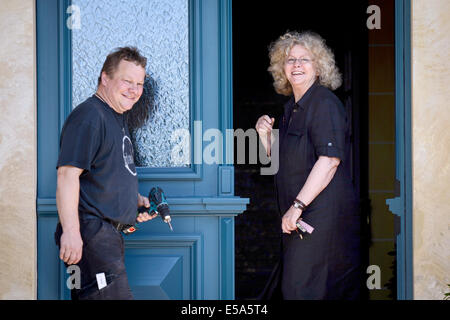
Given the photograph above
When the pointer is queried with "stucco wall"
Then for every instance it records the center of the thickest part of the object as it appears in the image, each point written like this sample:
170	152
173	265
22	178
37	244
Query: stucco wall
431	147
17	150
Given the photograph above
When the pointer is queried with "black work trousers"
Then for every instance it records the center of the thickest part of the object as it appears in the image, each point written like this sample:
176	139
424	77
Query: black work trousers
103	253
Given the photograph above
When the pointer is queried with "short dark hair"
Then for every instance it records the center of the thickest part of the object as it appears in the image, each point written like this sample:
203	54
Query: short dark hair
113	59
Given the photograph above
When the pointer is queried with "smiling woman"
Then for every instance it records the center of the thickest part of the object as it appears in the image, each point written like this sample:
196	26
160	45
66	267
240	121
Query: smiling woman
300	72
314	177
315	47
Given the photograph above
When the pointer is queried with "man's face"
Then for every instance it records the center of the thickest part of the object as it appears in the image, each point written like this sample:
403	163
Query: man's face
125	86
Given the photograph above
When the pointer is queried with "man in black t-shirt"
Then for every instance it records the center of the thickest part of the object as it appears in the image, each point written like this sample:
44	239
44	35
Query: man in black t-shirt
97	186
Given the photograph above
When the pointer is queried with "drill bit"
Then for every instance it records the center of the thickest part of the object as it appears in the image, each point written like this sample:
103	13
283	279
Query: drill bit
167	220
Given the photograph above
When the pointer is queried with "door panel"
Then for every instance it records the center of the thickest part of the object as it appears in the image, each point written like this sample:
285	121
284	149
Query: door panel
196	260
164	266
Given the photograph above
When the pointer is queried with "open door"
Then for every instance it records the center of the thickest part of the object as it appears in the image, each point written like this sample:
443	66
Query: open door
375	66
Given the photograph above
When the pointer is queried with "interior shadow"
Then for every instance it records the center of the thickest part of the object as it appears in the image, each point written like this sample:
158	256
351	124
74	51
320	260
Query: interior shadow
343	25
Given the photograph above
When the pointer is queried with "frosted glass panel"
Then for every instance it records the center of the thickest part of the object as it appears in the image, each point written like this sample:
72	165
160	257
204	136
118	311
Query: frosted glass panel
160	30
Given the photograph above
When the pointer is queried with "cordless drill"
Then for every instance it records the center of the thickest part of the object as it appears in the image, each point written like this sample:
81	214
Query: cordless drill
158	205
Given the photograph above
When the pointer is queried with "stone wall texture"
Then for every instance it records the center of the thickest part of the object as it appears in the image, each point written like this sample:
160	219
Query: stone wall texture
431	145
17	150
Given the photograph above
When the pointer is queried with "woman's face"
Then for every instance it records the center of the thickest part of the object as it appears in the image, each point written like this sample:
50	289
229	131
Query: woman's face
299	68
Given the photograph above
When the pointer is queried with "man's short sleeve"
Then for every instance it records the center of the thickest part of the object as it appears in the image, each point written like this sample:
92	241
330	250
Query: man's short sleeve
78	145
328	129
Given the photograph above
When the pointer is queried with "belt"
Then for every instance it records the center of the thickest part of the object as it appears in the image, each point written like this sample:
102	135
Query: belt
125	228
117	225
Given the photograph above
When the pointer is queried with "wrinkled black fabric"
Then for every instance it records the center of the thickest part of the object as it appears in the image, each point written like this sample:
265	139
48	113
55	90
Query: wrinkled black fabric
103	252
326	264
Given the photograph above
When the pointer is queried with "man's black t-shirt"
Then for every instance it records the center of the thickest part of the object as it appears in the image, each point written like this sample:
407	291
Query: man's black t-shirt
96	138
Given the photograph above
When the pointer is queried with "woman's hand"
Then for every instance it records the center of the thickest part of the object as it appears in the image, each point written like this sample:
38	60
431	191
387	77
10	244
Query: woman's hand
264	128
289	220
264	125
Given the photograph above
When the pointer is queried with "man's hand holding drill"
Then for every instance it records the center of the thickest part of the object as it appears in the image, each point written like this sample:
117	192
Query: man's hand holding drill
145	216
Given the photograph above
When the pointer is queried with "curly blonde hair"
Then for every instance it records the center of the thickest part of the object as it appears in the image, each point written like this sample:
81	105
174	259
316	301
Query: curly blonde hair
323	60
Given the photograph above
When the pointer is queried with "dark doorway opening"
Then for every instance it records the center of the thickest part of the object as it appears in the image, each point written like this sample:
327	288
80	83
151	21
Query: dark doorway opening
255	25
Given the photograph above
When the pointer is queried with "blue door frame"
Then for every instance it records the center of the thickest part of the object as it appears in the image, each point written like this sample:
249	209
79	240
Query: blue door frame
401	206
210	215
199	256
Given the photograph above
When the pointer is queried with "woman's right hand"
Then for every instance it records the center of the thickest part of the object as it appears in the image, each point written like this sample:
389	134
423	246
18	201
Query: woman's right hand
264	125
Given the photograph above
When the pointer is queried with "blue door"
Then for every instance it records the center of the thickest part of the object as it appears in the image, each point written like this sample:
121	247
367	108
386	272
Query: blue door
401	206
180	148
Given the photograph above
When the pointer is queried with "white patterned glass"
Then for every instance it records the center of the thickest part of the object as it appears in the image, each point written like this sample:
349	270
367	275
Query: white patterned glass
160	30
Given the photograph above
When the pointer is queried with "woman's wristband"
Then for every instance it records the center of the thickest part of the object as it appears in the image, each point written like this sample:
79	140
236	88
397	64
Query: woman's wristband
299	204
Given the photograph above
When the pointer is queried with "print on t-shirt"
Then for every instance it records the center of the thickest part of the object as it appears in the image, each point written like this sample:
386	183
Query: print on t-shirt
127	149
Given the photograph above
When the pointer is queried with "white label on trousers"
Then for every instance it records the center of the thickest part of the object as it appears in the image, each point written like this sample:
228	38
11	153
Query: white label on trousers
101	280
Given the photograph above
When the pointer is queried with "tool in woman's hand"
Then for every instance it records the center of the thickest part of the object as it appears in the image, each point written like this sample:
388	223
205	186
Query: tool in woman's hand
303	227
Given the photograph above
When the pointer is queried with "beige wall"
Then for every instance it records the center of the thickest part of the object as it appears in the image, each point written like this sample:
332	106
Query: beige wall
431	147
17	150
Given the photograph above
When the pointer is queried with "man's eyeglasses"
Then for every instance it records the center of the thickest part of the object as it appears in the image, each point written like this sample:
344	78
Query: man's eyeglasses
301	61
